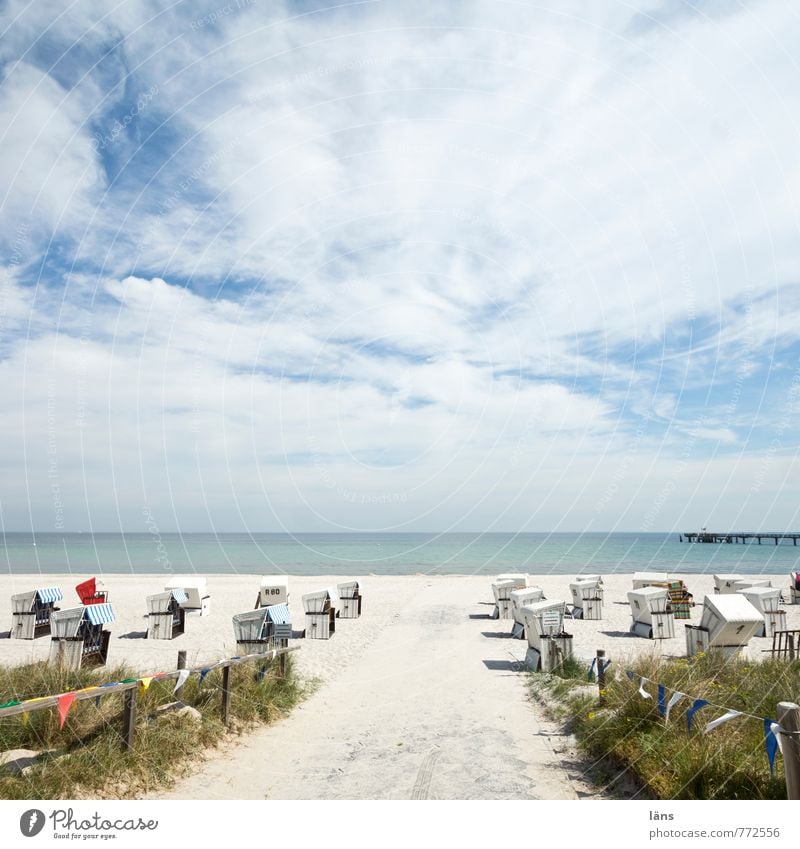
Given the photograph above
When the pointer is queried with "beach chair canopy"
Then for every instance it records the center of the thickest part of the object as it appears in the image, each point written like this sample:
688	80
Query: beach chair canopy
764	599
195	588
538	619
65	624
316	602
161	602
646	601
251	626
520	577
49	595
348	589
645	579
502	589
746	583
526	596
731	620
584	590
23	602
88	592
99	614
279	614
724	583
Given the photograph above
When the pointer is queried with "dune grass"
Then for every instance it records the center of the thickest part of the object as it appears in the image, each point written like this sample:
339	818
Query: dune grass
631	738
86	759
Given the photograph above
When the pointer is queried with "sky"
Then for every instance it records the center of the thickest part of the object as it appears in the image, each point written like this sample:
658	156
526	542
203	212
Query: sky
380	266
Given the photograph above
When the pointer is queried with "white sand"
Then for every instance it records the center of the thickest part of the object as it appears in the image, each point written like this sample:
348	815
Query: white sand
422	696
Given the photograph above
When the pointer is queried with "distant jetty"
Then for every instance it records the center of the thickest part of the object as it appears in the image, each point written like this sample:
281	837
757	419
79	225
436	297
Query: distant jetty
737	537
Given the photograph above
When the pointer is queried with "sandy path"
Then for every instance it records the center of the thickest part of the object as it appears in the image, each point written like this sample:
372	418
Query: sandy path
432	709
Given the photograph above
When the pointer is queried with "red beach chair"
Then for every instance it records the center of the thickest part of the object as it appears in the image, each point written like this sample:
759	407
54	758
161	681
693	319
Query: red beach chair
89	594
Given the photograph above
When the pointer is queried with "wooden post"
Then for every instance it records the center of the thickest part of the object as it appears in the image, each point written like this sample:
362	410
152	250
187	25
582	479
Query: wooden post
789	719
181	660
601	675
129	717
282	665
226	693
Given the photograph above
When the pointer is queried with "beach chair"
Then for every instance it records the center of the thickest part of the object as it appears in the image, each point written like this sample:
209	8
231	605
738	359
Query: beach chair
519	598
747	583
274	589
587	597
794	587
320	611
549	645
350	597
502	589
78	637
647	579
166	615
260	630
724	584
727	624
767	601
89	594
31	612
198	599
651	614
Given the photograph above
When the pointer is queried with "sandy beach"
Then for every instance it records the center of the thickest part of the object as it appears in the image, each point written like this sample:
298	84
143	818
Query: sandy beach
422	697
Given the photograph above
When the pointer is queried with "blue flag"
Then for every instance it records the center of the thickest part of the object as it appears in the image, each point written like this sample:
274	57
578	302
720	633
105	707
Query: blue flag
590	674
662	705
771	744
606	665
629	674
203	673
699	704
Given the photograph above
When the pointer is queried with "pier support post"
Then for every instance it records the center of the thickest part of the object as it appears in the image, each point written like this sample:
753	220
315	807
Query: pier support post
789	719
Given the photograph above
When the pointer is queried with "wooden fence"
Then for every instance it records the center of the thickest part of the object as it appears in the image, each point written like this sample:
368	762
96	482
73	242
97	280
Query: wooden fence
129	689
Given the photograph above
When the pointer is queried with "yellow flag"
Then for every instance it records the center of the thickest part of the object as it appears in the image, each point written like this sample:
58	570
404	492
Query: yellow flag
145	683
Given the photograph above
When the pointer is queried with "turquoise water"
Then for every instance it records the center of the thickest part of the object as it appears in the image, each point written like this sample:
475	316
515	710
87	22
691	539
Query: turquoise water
384	554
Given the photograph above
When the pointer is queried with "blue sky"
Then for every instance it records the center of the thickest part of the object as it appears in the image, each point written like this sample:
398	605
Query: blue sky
379	266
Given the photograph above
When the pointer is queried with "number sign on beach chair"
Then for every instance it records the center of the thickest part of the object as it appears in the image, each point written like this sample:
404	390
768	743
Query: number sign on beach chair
31	611
727	624
78	637
274	589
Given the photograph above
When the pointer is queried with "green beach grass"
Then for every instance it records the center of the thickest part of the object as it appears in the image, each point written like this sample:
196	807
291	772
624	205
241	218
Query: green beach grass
629	738
86	759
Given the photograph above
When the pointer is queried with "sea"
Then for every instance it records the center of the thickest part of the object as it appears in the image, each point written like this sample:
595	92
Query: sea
385	553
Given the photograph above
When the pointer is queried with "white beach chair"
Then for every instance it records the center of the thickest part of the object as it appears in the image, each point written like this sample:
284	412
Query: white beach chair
198	599
320	614
727	624
548	643
274	589
724	584
31	611
259	630
350	598
650	613
646	579
166	615
587	598
747	583
502	590
519	598
767	601
78	637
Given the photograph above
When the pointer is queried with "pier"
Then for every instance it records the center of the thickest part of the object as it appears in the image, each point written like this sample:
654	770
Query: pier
737	537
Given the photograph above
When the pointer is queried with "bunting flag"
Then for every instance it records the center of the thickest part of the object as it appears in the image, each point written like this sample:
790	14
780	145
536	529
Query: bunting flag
97	701
642	692
262	672
617	673
674	699
26	718
183	674
204	672
776	733
699	704
65	701
662	694
731	714
770	744
590	673
606	665
10	704
629	674
144	684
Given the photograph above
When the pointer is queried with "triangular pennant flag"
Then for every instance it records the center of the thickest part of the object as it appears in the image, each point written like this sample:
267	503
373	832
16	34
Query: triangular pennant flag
642	692
144	683
590	673
10	704
261	673
26	718
183	674
606	665
97	701
674	699
629	674
717	722
699	704
129	681
64	704
770	744
203	673
662	692
111	684
617	674
776	730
